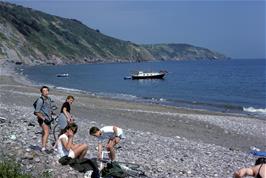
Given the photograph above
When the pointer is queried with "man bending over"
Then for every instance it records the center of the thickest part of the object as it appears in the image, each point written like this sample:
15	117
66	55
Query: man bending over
111	134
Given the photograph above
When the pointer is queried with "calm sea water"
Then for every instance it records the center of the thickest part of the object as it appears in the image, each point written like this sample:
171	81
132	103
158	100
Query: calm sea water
237	85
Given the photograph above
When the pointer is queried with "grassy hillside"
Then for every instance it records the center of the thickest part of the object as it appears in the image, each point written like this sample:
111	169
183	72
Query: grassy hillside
31	37
181	52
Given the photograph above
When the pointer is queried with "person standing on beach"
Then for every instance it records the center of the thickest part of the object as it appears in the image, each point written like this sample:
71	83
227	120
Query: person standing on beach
43	111
257	171
65	117
111	133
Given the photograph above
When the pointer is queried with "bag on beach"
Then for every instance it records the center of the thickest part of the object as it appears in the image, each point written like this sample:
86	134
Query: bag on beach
113	170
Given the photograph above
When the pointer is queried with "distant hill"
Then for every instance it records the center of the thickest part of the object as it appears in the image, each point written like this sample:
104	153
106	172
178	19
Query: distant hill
34	37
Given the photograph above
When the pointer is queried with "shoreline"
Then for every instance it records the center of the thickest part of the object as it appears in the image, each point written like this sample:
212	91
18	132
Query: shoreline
21	79
177	142
197	107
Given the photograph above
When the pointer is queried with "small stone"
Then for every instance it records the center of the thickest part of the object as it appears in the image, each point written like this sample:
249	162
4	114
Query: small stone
13	137
18	159
29	166
182	172
185	155
37	160
178	137
226	132
160	169
28	156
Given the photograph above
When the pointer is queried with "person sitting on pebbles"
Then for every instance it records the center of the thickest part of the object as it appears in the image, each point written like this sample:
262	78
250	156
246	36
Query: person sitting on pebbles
65	145
257	171
111	133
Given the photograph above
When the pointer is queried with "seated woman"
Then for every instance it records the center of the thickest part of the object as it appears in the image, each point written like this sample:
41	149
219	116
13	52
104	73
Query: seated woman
65	145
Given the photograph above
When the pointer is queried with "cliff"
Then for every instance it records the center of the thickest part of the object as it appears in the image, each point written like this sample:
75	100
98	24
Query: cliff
33	37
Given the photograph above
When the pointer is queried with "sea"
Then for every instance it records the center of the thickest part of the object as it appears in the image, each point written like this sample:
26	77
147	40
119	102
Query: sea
230	86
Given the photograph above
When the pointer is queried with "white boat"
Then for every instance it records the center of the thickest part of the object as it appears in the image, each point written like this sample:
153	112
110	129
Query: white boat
148	75
63	75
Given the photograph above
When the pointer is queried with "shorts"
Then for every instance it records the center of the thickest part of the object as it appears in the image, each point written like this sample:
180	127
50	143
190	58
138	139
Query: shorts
71	154
122	135
41	121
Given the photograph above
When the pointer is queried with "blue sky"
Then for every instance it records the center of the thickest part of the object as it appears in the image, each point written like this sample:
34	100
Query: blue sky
234	28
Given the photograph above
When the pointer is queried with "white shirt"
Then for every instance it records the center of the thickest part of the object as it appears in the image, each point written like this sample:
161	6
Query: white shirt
62	151
107	132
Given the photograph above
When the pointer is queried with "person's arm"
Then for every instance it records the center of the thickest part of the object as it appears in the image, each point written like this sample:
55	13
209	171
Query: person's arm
244	172
37	111
100	148
67	144
67	114
39	115
115	131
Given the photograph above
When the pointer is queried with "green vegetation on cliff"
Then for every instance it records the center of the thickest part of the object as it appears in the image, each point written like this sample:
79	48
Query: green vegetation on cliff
181	52
32	36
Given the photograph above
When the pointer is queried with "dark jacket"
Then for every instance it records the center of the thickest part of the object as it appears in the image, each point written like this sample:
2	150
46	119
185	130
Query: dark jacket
81	165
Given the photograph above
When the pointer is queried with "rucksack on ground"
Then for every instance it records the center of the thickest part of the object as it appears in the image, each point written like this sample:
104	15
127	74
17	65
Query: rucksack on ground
113	170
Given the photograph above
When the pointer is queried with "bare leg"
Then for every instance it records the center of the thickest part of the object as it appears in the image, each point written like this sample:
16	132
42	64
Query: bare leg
75	146
110	147
45	134
80	151
83	154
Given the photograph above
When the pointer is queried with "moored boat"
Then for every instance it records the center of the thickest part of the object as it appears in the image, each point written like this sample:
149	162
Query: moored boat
127	77
63	75
148	75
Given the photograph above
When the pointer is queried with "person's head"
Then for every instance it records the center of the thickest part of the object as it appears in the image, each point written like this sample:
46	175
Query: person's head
95	131
70	99
261	160
44	90
73	127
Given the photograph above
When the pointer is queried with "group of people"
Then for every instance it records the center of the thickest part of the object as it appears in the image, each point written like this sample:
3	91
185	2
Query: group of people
112	134
64	144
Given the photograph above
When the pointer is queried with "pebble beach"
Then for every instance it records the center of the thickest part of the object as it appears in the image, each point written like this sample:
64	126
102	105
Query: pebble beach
167	142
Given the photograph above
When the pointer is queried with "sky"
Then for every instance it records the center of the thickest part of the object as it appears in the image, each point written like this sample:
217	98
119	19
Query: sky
234	28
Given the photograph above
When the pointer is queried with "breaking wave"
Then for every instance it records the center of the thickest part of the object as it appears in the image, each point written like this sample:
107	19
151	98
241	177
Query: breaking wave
255	110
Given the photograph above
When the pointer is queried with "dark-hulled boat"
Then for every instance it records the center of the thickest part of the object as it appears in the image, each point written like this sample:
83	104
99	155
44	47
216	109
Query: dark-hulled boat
62	75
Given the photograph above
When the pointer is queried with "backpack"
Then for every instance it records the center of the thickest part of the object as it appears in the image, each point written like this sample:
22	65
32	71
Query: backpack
35	102
113	170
